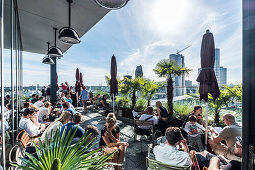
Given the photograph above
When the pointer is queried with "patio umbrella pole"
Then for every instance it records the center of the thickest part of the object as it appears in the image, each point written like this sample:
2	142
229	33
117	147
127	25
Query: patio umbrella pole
206	124
113	103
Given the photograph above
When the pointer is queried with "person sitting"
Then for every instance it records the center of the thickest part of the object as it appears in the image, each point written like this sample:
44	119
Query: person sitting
34	117
110	139
103	103
205	159
33	99
57	124
29	126
168	153
26	105
63	96
74	124
67	107
68	99
147	115
7	99
229	134
94	133
8	113
6	125
197	111
191	128
44	111
161	111
39	103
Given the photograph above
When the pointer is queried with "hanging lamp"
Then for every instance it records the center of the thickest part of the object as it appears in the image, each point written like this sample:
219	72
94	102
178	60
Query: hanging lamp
68	34
47	59
111	4
54	51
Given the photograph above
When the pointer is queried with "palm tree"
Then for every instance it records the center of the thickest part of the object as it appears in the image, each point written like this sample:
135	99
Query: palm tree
130	86
149	89
169	69
219	103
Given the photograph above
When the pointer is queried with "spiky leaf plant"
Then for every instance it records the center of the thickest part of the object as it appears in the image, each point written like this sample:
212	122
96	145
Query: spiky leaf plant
58	153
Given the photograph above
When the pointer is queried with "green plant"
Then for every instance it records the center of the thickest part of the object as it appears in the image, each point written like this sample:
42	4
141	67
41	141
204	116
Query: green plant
57	153
141	104
130	86
181	111
169	69
123	101
149	88
216	105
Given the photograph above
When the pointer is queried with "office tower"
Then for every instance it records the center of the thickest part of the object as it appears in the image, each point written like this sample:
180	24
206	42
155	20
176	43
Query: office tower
179	81
220	72
138	72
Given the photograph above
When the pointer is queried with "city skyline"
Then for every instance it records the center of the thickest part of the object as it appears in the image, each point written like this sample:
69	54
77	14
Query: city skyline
144	37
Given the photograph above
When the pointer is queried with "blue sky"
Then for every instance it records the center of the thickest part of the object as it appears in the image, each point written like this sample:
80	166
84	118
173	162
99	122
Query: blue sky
145	32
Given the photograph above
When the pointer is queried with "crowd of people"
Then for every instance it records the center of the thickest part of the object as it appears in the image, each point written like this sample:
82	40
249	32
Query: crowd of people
225	145
41	119
178	146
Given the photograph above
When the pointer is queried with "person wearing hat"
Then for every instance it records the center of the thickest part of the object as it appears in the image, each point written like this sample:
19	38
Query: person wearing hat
27	125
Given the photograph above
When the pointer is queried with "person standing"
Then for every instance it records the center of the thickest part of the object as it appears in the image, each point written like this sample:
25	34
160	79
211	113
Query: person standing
84	98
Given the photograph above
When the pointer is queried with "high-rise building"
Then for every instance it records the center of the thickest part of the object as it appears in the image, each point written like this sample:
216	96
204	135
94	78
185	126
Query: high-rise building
138	72
188	83
179	81
223	76
220	72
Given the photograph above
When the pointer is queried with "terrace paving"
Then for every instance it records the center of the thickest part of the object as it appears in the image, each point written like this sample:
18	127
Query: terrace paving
134	158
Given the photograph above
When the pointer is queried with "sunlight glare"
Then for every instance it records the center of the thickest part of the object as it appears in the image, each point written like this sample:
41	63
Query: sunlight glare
167	16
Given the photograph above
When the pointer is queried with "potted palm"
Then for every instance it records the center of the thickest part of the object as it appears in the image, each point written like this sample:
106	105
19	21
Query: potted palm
169	69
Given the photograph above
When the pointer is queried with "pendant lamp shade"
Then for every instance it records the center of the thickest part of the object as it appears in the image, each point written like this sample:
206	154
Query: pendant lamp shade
68	34
111	4
47	60
54	51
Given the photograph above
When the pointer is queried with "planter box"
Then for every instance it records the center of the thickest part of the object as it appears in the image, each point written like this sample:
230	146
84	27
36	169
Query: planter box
127	112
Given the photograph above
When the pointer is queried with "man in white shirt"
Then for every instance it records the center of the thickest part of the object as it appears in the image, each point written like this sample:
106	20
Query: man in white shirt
168	153
26	124
44	111
39	103
149	115
8	113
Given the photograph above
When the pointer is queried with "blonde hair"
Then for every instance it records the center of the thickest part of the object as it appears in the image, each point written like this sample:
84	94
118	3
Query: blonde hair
64	117
230	117
47	104
158	104
34	107
111	119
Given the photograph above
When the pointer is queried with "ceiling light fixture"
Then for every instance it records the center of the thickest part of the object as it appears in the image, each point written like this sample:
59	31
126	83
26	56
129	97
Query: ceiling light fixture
47	59
54	51
68	34
111	4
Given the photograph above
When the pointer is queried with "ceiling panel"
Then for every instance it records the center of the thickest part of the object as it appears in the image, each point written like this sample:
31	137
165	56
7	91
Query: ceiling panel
39	17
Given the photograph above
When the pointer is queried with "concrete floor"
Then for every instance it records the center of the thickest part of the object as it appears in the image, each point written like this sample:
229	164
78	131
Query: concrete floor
134	158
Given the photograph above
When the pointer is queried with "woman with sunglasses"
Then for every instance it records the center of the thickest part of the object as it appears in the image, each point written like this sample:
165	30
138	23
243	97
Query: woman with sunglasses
110	139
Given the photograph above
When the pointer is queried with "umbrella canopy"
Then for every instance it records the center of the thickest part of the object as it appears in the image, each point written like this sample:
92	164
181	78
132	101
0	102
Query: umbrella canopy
81	79
113	81
77	84
207	78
